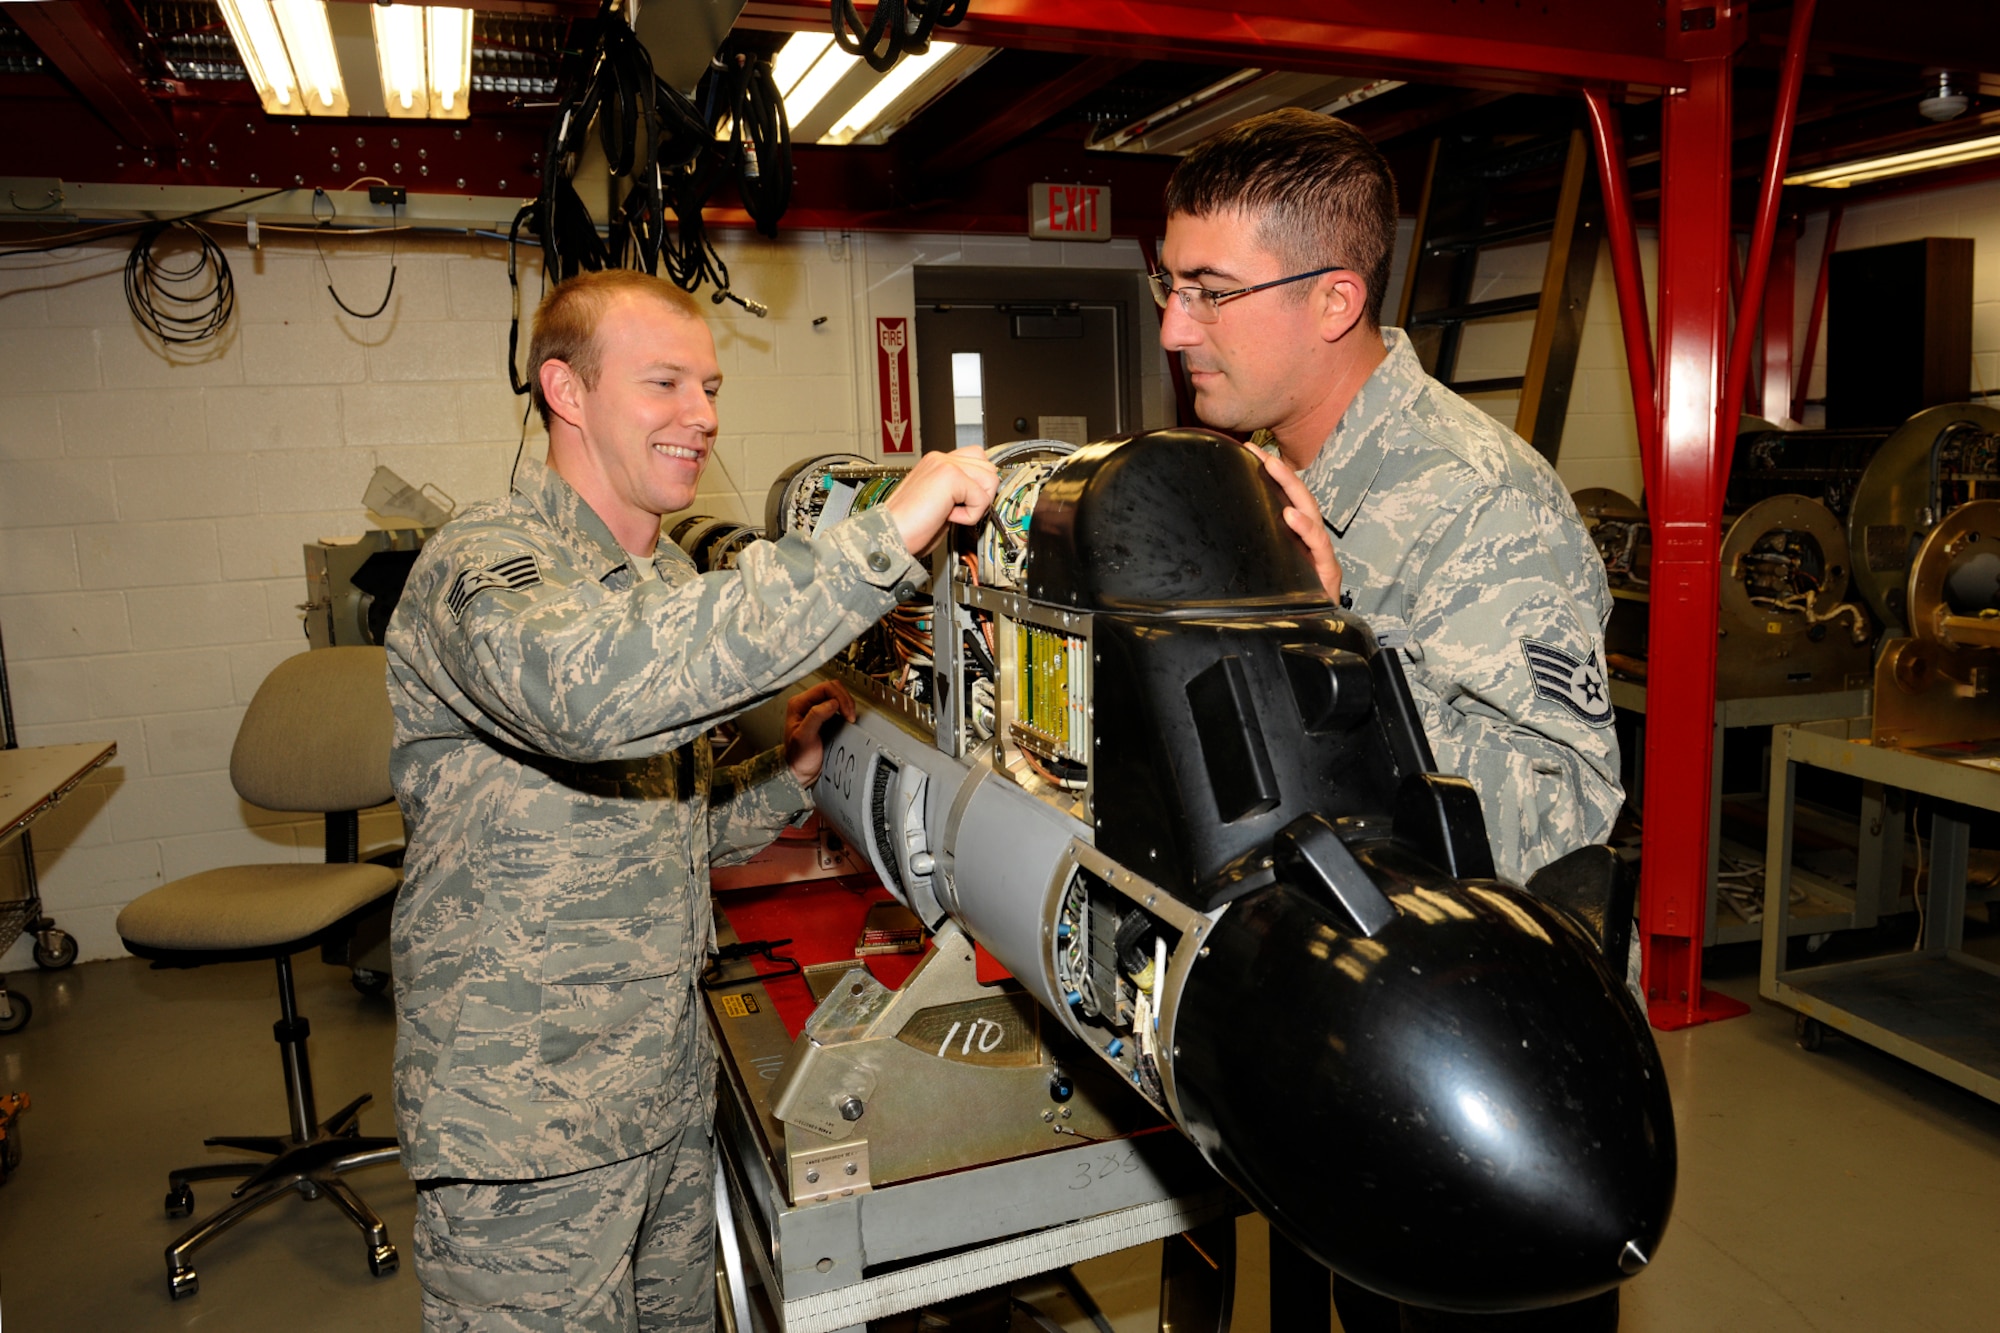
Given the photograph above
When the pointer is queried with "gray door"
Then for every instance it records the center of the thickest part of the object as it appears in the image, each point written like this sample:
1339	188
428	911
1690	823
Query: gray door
991	372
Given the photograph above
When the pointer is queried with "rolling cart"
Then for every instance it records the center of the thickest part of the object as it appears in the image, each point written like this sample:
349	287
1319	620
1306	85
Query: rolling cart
31	782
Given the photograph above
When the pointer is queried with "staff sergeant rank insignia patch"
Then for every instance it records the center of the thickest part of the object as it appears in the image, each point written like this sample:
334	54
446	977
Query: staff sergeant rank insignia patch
514	573
1572	682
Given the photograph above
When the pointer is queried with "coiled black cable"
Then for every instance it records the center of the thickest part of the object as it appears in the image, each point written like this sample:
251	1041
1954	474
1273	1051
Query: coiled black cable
760	138
184	304
898	28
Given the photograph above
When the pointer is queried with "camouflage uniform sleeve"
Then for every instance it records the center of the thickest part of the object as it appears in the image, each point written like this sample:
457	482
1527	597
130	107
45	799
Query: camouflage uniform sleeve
749	802
554	662
1509	675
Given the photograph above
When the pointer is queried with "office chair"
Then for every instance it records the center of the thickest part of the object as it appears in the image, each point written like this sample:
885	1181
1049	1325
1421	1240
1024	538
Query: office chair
316	737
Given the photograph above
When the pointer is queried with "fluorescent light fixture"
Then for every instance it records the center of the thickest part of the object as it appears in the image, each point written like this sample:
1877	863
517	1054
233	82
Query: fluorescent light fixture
1898	164
425	55
805	71
399	54
309	43
904	91
254	29
450	31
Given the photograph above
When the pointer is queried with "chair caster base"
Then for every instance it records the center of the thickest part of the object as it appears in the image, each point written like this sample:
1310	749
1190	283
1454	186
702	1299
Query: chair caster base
180	1201
182	1282
382	1260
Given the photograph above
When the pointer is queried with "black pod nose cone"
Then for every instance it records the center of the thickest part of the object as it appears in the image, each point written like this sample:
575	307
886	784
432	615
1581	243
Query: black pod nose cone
1465	1111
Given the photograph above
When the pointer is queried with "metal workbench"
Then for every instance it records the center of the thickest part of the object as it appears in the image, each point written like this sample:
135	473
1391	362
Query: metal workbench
1828	905
829	1266
1937	1006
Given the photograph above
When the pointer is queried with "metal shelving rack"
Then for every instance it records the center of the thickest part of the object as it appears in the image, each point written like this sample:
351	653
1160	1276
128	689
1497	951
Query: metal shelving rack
1936	1006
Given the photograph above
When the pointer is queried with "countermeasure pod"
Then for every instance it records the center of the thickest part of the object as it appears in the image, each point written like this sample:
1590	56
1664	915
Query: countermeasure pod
1189	805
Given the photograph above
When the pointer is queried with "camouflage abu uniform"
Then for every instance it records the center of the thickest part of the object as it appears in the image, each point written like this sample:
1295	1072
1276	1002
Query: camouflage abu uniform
563	812
1459	545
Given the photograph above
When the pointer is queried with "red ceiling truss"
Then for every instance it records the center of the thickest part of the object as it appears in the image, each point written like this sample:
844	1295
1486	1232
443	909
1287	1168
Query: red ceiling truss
1547	47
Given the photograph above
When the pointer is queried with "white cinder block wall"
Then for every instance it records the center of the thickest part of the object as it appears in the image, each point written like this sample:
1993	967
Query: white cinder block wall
153	504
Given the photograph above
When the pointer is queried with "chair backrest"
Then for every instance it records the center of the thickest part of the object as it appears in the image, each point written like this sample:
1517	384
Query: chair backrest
317	735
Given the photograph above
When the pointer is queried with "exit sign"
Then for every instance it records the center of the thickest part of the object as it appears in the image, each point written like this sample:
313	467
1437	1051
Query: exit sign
1069	212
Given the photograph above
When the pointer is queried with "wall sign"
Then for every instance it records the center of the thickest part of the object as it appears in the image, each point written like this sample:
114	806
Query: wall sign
1069	212
892	367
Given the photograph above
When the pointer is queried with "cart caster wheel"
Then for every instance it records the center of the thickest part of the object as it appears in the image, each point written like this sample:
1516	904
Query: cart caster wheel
20	1011
382	1260
369	982
54	950
1810	1033
180	1201
182	1282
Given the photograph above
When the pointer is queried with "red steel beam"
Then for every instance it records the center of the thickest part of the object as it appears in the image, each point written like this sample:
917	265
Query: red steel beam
1766	227
1631	283
1685	506
1818	313
1567	43
1775	401
81	40
1034	108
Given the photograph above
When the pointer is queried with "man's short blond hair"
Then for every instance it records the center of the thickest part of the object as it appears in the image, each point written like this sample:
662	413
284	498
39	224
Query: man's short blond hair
566	322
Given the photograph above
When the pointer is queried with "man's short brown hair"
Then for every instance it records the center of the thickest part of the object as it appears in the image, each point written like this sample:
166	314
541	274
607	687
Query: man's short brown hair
1317	189
566	322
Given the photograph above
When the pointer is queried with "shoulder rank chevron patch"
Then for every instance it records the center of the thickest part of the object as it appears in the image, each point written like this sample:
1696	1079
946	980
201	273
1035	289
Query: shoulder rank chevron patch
514	573
1569	681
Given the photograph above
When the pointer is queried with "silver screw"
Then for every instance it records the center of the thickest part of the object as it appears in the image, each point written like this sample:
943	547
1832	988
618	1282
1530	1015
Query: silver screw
812	1177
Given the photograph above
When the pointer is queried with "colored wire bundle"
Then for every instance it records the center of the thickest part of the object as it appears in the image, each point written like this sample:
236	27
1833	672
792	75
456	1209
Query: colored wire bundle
179	304
1003	539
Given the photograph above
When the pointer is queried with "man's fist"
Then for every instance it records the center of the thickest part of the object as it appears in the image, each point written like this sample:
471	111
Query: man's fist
1302	516
806	715
954	487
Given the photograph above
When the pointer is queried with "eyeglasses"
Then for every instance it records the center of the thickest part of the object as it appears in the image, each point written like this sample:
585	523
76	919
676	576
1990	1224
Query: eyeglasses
1201	303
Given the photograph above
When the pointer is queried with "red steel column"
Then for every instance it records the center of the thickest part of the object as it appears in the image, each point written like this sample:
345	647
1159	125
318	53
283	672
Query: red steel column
1631	284
1685	507
1775	399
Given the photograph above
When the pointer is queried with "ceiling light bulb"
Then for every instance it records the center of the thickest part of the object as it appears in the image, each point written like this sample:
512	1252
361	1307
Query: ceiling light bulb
877	100
818	79
1898	164
399	53
1947	103
262	49
309	43
796	57
450	31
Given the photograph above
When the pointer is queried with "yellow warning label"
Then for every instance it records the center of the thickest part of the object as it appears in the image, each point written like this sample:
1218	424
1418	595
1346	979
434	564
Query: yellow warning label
737	1006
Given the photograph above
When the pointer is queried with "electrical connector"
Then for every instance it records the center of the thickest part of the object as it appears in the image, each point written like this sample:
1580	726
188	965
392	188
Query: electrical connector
388	194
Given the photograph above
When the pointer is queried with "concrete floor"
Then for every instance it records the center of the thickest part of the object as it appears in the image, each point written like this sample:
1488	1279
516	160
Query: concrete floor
1831	1191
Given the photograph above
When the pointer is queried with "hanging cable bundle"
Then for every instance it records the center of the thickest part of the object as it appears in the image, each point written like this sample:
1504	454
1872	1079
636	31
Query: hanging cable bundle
179	303
897	28
760	137
663	157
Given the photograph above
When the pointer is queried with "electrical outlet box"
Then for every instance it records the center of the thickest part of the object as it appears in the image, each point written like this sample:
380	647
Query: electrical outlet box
388	194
